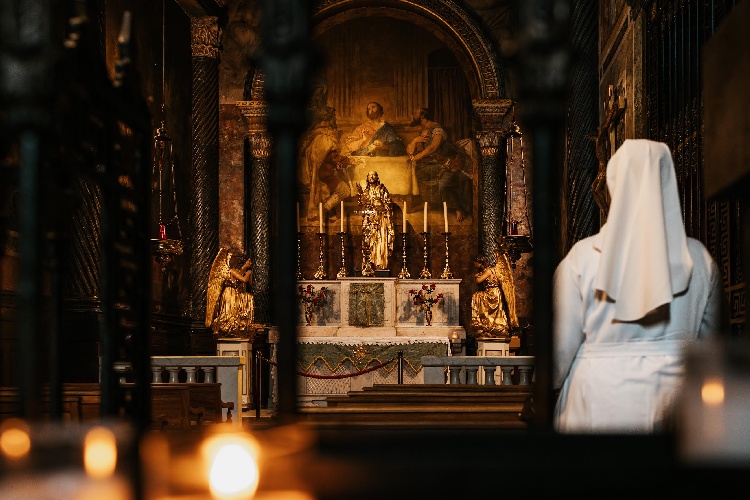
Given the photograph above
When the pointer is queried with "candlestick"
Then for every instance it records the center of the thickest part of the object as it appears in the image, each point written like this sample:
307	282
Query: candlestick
445	215
298	217
425	216
342	216
320	220
299	252
342	271
404	274
425	274
320	274
404	216
447	273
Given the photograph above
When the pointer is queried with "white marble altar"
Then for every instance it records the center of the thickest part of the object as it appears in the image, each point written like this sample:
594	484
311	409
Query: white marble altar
400	324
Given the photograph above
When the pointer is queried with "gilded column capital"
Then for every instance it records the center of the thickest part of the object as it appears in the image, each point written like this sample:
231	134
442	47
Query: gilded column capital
205	37
260	145
489	142
254	112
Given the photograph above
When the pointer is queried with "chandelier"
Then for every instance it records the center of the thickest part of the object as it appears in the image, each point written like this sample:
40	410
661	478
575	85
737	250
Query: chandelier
163	179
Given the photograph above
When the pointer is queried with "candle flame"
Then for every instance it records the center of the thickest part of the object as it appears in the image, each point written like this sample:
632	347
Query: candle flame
15	442
100	452
233	466
712	392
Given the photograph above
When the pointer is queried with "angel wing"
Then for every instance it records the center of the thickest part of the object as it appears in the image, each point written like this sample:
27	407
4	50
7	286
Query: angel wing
219	271
506	283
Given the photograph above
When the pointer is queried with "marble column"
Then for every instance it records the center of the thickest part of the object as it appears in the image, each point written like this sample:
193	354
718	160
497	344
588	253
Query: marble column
260	224
493	115
204	164
492	195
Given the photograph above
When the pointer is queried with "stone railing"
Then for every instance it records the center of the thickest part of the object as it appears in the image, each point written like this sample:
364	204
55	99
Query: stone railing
464	369
225	370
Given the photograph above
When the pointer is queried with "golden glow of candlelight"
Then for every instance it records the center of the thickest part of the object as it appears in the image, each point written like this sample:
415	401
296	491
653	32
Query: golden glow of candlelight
15	442
232	462
100	452
712	392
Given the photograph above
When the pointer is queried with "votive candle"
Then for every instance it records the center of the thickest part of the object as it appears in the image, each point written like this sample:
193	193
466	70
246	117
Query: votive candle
404	214
342	216
425	216
445	215
320	220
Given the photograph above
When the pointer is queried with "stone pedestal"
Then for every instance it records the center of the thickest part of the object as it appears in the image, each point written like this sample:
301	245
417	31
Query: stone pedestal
489	348
238	347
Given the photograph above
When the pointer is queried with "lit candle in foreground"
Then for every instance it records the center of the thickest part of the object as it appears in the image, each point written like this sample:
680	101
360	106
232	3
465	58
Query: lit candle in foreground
404	229
445	215
15	442
232	462
342	216
320	219
100	452
425	216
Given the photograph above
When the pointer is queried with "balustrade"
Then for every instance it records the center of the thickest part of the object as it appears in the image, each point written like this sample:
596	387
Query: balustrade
464	369
226	370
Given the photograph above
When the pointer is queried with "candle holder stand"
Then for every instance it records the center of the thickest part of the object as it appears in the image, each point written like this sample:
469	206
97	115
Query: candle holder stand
342	271
320	274
447	273
425	274
404	274
299	275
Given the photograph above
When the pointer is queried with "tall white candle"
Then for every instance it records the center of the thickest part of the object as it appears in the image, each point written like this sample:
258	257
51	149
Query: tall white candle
445	215
320	220
298	217
404	214
342	216
425	216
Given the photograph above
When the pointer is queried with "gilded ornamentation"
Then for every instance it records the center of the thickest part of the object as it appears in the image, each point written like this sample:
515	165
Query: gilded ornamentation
489	142
360	353
454	19
377	224
229	307
255	113
205	37
493	309
260	145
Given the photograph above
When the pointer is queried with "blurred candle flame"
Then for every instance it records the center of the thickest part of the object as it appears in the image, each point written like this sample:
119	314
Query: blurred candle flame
232	461
15	441
100	452
712	392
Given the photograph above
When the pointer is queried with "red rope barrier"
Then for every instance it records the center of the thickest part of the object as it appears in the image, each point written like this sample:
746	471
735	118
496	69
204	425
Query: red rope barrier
343	375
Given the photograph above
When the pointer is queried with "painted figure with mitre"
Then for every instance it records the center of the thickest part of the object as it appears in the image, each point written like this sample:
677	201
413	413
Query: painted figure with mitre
493	309
377	224
230	308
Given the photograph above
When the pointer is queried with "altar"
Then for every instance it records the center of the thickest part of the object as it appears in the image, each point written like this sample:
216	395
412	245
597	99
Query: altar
364	322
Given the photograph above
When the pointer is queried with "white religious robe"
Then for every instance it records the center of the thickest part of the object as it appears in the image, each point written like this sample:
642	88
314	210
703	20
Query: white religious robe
618	376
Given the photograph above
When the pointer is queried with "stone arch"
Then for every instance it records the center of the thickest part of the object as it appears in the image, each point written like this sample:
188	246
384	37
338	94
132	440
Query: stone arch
447	20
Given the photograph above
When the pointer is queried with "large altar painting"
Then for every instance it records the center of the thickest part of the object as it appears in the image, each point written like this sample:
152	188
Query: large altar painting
391	99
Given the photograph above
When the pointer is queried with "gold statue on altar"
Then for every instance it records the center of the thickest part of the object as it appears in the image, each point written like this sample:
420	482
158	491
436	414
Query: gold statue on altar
377	224
230	308
493	308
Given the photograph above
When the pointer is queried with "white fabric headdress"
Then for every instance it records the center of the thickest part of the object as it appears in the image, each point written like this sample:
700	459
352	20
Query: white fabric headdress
645	260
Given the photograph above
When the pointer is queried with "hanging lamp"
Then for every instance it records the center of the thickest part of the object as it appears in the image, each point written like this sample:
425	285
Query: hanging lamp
165	248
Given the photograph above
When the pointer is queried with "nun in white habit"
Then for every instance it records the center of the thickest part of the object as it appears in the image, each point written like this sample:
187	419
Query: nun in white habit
627	301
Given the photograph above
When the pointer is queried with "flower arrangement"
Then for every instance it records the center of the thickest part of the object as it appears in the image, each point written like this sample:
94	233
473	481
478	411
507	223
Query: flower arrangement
311	299
424	299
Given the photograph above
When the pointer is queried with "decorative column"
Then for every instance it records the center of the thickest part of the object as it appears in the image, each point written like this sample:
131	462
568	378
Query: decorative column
204	164
260	224
493	115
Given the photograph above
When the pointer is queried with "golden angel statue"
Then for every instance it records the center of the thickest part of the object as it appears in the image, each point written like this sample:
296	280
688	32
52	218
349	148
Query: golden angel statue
493	309
230	308
377	225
